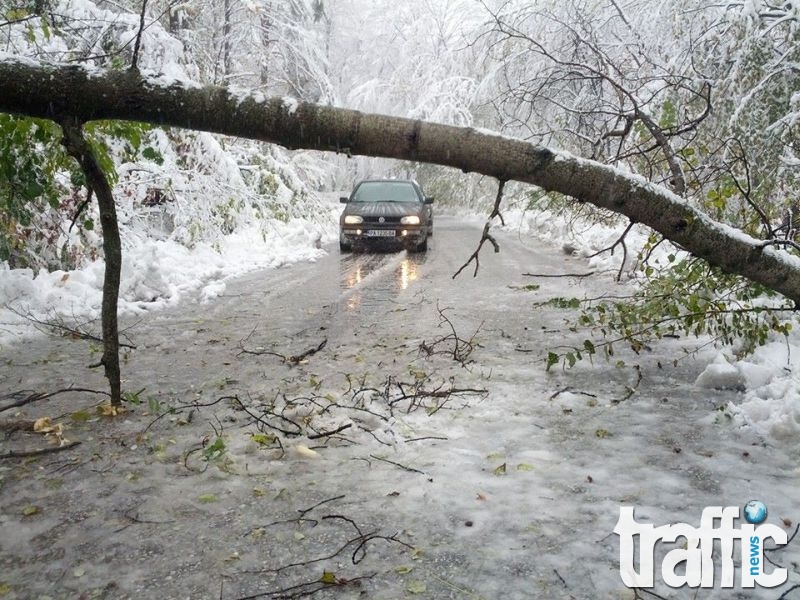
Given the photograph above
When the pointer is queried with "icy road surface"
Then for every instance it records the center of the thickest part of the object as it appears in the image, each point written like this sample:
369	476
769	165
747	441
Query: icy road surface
374	467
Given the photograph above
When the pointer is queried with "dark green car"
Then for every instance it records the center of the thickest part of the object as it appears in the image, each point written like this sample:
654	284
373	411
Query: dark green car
386	212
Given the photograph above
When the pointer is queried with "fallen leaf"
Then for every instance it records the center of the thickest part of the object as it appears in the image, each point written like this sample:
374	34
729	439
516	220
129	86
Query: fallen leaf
524	467
328	577
207	498
4	589
263	439
417	587
481	497
109	410
501	470
31	510
786	522
602	434
43	425
258	492
403	569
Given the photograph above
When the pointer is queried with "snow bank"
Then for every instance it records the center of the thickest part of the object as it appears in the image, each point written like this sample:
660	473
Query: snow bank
770	385
155	274
766	385
583	237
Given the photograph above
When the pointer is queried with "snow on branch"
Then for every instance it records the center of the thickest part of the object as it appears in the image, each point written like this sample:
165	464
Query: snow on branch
59	91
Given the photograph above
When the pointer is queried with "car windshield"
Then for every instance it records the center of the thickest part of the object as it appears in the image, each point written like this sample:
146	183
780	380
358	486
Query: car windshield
385	191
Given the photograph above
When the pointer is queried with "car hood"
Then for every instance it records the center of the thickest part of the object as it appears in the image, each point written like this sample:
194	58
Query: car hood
383	209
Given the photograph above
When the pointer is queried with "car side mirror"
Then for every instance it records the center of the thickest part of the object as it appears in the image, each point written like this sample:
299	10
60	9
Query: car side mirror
343	199
429	200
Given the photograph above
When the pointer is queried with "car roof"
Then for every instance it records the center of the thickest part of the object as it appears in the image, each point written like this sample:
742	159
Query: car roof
411	181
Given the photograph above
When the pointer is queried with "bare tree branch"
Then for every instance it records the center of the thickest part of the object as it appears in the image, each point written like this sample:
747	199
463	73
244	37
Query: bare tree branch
137	44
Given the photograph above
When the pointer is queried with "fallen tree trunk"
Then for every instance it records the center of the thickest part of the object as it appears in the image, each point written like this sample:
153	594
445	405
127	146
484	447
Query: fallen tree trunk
57	92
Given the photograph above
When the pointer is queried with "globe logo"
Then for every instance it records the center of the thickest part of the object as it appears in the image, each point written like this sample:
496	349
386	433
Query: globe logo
755	512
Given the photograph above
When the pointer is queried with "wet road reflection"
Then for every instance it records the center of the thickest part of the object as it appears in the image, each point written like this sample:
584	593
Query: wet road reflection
408	273
372	279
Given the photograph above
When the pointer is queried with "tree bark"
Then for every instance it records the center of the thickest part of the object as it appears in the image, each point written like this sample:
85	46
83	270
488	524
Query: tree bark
58	91
78	147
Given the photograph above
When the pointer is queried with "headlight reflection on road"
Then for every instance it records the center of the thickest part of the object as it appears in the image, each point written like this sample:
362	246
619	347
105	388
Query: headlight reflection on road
354	277
408	273
354	302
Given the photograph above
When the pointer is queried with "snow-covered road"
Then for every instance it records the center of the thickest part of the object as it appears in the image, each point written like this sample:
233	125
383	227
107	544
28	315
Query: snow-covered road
513	492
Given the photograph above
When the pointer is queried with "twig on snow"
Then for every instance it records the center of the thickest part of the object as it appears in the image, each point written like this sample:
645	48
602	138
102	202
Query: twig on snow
578	275
396	464
304	511
57	325
34	396
295	359
38	452
631	389
323	434
787	592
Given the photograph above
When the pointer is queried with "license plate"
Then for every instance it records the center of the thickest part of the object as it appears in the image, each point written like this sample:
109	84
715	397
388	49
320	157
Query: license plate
379	233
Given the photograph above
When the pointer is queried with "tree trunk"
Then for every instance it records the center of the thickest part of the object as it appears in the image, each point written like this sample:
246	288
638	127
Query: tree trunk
78	147
57	91
227	68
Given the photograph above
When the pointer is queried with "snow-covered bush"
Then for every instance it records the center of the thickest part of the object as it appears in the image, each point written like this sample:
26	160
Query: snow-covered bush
172	185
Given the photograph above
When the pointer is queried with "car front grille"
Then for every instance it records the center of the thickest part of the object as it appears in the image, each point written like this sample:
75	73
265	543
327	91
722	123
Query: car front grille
386	220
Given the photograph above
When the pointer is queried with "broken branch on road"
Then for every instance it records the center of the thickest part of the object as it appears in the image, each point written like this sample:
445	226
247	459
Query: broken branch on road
18	399
37	452
578	275
291	360
486	236
461	348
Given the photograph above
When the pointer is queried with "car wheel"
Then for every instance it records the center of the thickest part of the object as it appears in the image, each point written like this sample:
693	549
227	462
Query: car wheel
421	247
344	247
430	228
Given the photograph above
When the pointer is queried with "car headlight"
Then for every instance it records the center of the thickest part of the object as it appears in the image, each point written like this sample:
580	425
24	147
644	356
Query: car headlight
353	220
410	220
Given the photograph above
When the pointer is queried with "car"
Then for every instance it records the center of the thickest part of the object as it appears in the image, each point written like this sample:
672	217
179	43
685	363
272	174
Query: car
386	211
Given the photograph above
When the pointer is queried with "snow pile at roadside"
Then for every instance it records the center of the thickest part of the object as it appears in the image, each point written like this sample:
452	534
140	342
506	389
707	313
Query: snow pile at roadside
767	382
582	237
155	274
770	384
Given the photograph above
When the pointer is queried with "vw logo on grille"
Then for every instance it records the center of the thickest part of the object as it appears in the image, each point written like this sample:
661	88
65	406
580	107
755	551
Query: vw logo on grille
381	220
